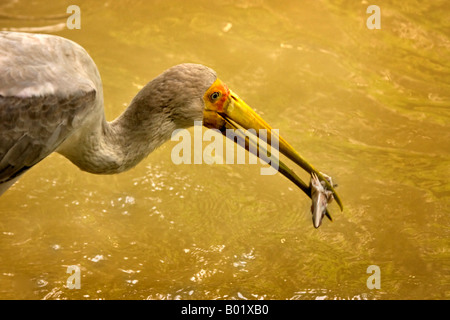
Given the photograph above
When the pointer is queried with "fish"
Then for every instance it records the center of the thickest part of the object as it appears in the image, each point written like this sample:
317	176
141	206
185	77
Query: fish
320	197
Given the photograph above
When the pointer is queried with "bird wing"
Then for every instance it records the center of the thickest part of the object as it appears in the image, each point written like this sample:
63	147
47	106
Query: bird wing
48	85
32	128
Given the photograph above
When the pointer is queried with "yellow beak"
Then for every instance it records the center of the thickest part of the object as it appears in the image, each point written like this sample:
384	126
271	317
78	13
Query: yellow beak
234	112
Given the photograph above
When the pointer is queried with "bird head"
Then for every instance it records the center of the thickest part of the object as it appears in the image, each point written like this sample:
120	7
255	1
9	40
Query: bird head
201	95
225	110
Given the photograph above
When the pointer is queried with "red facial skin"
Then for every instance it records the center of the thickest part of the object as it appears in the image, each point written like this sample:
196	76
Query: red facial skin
219	103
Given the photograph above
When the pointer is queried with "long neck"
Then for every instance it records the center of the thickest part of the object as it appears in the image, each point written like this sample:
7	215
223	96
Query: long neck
111	147
170	101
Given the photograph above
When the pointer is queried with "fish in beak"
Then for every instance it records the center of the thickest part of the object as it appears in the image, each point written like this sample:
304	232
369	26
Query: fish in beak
320	197
225	110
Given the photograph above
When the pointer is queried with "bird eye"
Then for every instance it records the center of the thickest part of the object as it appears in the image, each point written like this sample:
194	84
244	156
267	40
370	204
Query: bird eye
215	95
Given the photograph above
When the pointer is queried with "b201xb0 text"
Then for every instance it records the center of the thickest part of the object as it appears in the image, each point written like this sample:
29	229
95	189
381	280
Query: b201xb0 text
246	309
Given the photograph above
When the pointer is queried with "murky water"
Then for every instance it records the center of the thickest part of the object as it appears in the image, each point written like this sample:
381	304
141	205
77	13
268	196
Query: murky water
369	107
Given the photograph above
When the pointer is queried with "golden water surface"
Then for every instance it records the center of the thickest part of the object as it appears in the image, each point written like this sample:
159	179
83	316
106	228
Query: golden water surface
371	108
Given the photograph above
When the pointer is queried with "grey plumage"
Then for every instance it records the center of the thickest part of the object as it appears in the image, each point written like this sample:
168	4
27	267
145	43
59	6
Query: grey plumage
51	99
31	128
